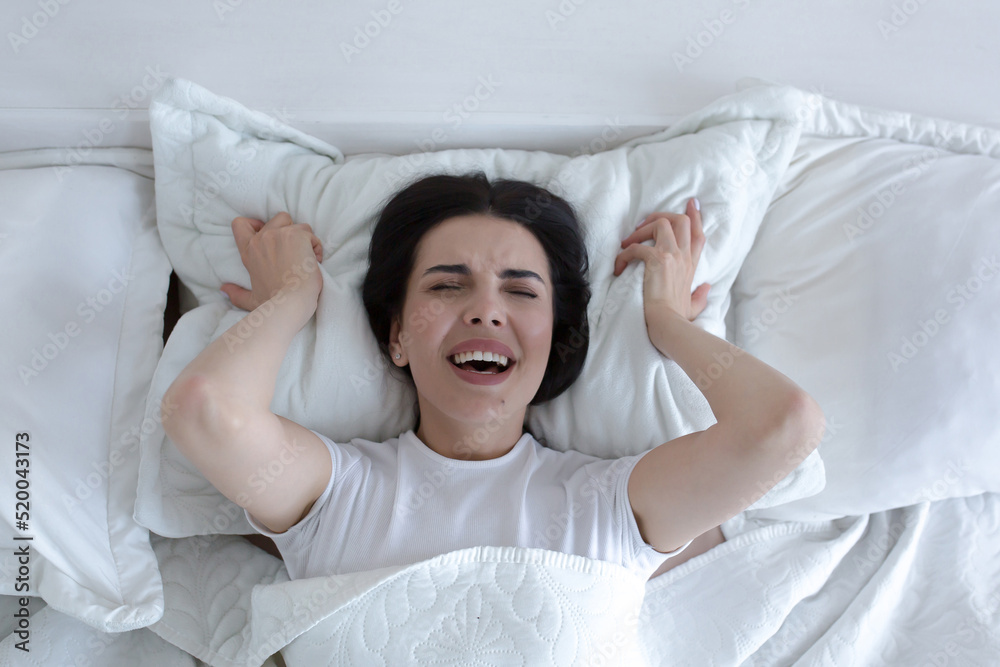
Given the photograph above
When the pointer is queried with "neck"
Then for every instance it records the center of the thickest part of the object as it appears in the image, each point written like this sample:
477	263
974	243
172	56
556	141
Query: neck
472	441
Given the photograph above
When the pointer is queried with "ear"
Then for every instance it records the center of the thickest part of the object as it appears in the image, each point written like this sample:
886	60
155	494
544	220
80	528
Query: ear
394	346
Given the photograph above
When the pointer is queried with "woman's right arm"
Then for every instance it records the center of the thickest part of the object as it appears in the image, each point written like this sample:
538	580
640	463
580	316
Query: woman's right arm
217	412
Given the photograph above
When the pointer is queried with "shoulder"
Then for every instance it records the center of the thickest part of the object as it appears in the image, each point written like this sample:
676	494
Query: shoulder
550	458
384	452
555	452
370	447
361	454
588	472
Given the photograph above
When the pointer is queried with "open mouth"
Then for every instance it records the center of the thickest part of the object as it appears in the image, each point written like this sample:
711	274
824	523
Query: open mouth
484	367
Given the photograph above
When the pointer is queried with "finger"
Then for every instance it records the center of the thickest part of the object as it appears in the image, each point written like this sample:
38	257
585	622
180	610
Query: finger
244	230
699	300
682	232
663	233
255	224
659	230
645	220
652	217
634	251
317	248
697	232
239	297
282	219
643	232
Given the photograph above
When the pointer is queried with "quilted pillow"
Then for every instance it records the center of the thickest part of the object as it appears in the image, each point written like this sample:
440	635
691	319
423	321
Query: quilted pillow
86	279
216	160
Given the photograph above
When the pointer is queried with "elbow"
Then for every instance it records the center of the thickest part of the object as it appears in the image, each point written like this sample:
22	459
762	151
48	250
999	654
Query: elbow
808	413
179	400
190	407
802	429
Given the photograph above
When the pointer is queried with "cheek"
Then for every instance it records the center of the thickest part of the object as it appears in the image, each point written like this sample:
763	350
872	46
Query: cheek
426	320
537	334
418	316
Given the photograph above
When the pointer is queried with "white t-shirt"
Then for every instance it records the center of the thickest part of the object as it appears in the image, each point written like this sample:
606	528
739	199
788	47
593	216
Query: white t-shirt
399	502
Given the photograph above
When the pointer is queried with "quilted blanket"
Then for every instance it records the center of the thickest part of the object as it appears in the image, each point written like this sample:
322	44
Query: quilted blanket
913	586
851	591
483	605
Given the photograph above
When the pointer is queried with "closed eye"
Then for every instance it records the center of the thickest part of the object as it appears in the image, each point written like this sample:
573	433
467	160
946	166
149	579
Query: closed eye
441	287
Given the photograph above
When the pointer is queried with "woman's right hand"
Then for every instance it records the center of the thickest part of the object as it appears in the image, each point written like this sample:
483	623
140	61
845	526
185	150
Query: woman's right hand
670	262
281	257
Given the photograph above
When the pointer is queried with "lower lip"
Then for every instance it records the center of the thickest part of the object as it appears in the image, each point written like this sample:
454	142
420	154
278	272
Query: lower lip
477	378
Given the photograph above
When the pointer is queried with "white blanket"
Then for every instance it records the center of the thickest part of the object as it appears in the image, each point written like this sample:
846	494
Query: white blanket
498	605
913	586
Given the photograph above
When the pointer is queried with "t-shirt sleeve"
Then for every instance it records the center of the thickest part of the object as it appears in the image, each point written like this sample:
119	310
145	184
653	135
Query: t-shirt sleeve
615	483
342	457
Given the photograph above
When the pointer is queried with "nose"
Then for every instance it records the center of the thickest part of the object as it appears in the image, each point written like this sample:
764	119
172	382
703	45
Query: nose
485	308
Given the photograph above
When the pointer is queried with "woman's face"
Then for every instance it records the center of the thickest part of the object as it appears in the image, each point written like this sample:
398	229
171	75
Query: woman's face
476	277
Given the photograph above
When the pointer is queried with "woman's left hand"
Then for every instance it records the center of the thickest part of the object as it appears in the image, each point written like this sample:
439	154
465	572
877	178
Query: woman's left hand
670	262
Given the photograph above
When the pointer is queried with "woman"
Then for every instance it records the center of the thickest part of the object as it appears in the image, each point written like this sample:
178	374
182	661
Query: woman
497	270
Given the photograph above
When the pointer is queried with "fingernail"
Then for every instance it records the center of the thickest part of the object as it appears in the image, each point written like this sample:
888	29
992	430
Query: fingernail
697	204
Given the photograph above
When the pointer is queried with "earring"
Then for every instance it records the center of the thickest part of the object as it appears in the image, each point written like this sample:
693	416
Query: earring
397	355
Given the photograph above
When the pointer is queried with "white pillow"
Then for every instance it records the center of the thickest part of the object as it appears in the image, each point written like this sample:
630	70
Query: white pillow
58	639
85	281
216	160
855	283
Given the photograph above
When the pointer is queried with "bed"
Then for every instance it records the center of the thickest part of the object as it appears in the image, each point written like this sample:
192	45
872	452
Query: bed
852	244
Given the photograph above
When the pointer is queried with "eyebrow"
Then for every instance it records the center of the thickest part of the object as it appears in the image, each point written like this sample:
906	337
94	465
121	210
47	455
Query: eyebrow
463	270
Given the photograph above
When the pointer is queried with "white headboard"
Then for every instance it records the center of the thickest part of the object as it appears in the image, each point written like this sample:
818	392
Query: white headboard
400	76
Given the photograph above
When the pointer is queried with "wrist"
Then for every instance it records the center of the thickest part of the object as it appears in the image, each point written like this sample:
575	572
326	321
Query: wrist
666	328
297	302
299	286
246	358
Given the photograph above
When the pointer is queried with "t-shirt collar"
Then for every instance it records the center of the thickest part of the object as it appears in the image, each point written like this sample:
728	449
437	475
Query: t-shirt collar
411	438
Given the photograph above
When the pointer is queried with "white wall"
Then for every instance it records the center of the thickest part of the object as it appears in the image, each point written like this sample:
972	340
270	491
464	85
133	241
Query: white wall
564	70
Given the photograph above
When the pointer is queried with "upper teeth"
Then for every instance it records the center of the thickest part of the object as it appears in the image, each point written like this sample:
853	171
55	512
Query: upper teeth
462	357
